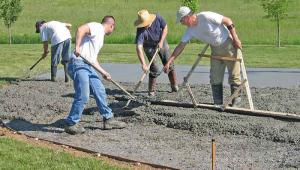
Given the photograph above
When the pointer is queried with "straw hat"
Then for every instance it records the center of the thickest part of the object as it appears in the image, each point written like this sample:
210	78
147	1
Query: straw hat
144	18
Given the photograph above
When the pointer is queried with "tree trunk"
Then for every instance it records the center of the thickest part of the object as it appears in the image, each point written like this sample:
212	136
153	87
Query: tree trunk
278	31
9	34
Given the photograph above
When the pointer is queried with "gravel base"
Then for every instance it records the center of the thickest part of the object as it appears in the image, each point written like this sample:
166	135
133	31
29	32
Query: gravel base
171	136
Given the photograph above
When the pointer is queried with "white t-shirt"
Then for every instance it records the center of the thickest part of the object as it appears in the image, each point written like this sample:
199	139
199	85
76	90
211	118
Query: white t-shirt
56	31
209	29
91	44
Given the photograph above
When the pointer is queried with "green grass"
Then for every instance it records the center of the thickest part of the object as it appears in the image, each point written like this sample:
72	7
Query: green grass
15	60
18	155
247	16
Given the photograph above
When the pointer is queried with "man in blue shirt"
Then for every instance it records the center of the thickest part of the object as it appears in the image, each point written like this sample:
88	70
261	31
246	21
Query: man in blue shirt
151	33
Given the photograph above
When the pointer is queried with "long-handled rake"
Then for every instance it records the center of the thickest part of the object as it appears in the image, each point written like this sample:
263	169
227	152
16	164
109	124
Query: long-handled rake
114	82
143	76
27	73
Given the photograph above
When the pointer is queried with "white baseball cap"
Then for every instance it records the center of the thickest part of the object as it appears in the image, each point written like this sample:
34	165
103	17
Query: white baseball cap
182	12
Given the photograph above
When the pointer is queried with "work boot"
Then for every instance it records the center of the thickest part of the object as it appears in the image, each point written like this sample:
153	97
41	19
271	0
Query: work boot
151	86
217	92
112	123
172	79
66	72
236	101
74	129
53	73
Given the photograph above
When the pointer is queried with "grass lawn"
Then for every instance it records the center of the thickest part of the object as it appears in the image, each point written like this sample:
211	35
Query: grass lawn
18	155
246	14
15	60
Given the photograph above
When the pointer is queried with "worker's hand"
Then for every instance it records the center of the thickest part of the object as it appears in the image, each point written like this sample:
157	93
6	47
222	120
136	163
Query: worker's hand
106	76
160	45
77	52
145	68
237	43
44	55
166	67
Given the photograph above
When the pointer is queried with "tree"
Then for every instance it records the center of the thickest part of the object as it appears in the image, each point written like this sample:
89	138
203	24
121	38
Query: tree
192	4
9	12
276	10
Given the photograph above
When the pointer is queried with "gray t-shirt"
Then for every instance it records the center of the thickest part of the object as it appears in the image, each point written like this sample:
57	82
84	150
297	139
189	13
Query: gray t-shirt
209	29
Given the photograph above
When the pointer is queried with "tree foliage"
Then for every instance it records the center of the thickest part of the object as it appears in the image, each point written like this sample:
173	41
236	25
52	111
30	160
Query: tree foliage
9	12
192	4
276	10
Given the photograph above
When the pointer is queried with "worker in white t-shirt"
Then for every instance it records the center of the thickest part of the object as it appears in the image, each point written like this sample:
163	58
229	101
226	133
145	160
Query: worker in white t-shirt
219	32
59	35
89	41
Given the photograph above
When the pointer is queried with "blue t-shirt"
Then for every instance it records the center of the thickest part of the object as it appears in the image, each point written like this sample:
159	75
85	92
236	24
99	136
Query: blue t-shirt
152	34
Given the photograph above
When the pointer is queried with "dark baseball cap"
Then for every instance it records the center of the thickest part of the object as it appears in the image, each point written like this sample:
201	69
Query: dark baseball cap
38	24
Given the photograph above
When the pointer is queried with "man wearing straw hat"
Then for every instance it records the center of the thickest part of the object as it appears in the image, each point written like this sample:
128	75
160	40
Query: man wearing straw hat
151	34
89	41
219	32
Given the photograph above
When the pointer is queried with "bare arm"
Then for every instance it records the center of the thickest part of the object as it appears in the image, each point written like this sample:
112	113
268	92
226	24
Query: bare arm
139	51
163	36
80	33
104	74
236	41
45	46
177	51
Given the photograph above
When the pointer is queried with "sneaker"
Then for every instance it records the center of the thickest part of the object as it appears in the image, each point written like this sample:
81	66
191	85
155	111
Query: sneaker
113	124
174	88
74	129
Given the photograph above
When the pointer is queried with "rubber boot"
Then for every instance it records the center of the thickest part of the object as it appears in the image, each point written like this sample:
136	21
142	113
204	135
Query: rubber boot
173	82
217	92
236	101
152	86
53	73
66	72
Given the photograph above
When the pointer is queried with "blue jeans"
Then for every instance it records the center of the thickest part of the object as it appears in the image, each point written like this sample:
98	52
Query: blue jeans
62	49
86	80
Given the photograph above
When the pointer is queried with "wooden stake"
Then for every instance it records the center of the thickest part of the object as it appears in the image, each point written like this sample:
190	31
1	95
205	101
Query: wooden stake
213	154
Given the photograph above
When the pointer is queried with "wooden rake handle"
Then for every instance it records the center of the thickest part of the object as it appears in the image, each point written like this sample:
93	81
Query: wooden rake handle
145	73
111	80
36	63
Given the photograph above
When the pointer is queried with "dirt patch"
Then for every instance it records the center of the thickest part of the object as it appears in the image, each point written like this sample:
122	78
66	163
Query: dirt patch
171	136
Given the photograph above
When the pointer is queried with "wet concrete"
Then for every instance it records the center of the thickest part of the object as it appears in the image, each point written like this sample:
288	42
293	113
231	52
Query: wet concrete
172	136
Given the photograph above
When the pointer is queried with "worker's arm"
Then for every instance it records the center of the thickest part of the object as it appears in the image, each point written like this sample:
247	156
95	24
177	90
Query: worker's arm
163	36
104	74
177	51
229	24
139	51
80	33
46	51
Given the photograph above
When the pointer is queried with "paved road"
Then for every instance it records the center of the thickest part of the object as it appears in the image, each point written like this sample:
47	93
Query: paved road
258	77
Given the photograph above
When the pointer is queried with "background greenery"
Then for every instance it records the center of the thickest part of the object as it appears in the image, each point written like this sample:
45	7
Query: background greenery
247	15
